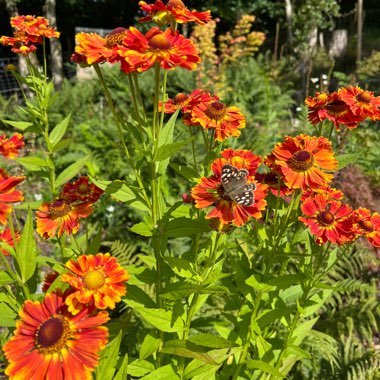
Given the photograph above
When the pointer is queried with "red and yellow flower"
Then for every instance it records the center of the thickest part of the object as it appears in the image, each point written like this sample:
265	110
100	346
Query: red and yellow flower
51	343
367	224
81	190
329	192
61	216
332	107
209	191
8	194
169	48
303	161
328	220
186	102
48	281
174	10
362	103
215	115
95	49
20	43
34	26
9	148
98	280
6	237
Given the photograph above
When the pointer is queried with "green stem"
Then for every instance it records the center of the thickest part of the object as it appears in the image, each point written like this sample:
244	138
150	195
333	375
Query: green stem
163	99
193	149
119	123
138	91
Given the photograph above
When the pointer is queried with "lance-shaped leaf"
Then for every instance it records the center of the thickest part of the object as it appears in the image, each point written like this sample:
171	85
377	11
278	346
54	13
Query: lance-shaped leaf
26	251
71	171
59	131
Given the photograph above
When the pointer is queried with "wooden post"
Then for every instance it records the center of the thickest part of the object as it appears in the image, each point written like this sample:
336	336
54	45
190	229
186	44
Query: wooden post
359	9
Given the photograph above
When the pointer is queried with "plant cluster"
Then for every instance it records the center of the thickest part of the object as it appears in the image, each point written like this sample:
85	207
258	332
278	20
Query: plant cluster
233	276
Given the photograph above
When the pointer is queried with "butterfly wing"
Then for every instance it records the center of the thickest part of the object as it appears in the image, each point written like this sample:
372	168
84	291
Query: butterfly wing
235	185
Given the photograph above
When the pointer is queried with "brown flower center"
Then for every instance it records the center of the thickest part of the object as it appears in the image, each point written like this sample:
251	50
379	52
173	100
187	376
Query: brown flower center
180	98
337	107
176	3
94	279
160	42
364	97
302	161
59	208
115	37
366	225
326	218
52	335
216	111
83	189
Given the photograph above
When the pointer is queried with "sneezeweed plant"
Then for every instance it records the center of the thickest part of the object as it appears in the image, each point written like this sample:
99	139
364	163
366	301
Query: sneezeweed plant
234	272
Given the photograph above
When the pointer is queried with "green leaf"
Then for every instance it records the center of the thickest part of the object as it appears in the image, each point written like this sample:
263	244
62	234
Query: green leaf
212	341
32	163
139	368
265	367
188	350
123	370
108	361
184	227
26	205
283	282
150	345
8	316
93	247
252	282
26	251
166	372
22	125
347	159
181	267
5	278
185	171
71	171
159	318
198	370
58	132
181	289
137	294
142	228
302	330
123	193
166	135
167	150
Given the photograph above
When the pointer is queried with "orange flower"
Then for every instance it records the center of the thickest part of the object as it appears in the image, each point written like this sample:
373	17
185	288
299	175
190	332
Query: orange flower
96	49
186	102
9	147
97	280
174	10
329	192
81	190
328	220
226	121
20	43
48	281
6	237
229	198
362	103
303	159
61	216
50	343
367	224
169	48
34	26
332	107
8	194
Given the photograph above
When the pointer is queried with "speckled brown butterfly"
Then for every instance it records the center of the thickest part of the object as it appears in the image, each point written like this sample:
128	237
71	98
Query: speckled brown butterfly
235	185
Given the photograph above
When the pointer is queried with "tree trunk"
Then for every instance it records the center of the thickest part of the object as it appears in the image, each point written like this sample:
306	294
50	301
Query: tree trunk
359	10
55	46
289	20
12	9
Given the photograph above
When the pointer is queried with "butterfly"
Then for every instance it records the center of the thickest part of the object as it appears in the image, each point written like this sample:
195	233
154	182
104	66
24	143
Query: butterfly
235	185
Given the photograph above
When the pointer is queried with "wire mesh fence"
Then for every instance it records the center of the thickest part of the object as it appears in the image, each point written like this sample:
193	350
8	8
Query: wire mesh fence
8	83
